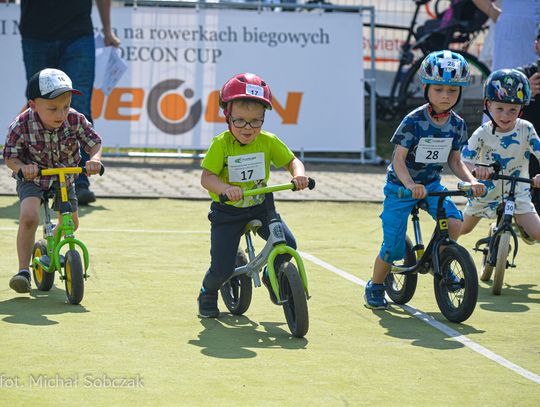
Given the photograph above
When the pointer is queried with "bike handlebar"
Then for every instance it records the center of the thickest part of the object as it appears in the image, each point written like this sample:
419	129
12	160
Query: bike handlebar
463	189
496	176
60	170
223	198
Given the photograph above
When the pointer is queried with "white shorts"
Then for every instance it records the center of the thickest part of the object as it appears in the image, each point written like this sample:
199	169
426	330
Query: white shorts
483	209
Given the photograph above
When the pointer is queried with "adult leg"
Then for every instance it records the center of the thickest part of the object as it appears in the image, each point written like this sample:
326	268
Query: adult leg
38	55
78	62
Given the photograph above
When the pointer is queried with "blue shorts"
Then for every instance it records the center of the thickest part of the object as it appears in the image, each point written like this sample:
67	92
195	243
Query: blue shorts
395	216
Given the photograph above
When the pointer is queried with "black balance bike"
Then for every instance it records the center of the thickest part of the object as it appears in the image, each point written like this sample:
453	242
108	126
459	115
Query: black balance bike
496	247
455	281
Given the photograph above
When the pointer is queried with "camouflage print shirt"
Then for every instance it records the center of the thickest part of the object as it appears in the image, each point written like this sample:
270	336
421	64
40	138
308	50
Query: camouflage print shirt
417	125
30	142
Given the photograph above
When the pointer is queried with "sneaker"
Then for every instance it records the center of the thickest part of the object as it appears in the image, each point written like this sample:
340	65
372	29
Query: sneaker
208	304
20	282
374	296
84	195
454	282
266	282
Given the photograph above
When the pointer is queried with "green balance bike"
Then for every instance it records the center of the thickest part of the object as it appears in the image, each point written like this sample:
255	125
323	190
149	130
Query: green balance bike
46	258
289	283
455	281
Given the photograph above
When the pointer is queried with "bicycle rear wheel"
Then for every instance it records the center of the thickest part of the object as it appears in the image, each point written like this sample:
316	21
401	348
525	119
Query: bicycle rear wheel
401	287
237	292
411	92
44	280
291	291
456	300
503	248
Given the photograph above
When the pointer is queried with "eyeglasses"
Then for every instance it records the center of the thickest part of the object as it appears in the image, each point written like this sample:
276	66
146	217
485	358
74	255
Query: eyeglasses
241	123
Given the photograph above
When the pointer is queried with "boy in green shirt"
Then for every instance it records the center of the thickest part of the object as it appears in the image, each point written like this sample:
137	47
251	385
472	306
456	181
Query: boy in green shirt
239	160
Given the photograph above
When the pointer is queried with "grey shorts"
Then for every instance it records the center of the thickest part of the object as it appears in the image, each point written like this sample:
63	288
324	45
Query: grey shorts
28	189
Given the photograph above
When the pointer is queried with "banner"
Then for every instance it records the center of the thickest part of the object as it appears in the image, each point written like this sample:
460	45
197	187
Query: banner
178	58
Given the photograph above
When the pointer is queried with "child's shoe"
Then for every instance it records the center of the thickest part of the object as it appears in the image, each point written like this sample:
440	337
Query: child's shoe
454	282
20	282
266	282
374	296
208	304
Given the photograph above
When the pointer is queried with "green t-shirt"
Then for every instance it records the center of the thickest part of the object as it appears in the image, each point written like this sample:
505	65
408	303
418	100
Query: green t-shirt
245	166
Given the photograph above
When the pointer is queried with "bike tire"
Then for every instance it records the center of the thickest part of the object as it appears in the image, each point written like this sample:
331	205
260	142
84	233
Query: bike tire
294	299
44	280
503	248
401	287
237	292
456	305
74	277
411	91
487	269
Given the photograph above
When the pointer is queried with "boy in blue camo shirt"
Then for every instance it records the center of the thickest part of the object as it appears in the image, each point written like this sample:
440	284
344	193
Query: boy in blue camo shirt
416	164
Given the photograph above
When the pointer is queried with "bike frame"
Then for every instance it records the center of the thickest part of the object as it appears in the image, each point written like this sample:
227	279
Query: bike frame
66	229
275	245
430	257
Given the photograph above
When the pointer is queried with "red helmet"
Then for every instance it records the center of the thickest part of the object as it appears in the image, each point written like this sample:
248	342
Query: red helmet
245	86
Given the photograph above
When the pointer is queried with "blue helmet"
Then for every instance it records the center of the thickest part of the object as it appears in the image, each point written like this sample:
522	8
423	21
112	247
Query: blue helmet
445	68
508	86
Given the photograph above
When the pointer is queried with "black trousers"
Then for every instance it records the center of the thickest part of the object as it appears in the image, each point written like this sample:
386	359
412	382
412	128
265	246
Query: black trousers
228	224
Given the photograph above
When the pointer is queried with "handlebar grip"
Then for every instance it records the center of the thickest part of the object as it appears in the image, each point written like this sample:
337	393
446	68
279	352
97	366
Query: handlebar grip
101	170
310	185
404	193
20	175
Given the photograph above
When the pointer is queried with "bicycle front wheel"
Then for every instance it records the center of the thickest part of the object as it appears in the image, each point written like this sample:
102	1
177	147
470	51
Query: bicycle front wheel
411	92
74	277
456	287
401	287
237	292
291	291
503	248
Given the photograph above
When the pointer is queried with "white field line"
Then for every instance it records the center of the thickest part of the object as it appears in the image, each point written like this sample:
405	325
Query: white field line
175	232
434	323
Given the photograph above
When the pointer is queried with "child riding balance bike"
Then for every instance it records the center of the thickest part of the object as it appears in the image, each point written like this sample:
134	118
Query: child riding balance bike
238	161
505	144
47	135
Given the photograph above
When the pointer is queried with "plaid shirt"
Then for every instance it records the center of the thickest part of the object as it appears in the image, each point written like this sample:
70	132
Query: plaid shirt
31	143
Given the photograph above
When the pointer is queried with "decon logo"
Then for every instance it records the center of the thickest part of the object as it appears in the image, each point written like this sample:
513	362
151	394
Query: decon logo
175	108
167	110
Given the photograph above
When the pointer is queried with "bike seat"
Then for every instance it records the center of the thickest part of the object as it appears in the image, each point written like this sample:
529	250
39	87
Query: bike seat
253	226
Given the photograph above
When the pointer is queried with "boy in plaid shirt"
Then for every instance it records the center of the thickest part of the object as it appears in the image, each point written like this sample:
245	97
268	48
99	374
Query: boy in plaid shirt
46	135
